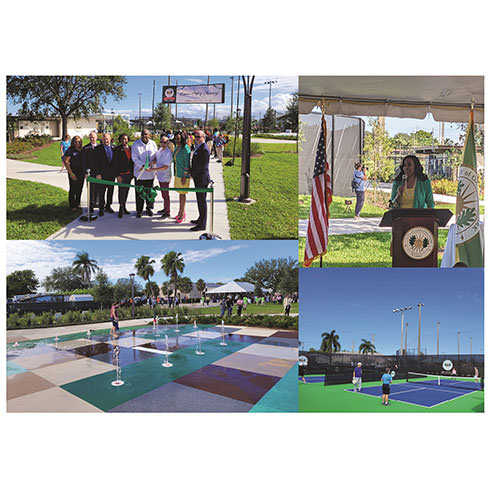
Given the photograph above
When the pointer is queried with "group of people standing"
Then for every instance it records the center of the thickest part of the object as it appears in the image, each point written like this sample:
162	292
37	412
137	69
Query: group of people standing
185	157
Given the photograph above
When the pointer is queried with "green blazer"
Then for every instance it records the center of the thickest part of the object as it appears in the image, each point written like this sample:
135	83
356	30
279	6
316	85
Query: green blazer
422	197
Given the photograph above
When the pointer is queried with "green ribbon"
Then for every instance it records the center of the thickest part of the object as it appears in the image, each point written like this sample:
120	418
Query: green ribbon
148	193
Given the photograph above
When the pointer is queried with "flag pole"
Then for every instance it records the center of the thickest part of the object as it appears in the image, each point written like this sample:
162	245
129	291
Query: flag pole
324	128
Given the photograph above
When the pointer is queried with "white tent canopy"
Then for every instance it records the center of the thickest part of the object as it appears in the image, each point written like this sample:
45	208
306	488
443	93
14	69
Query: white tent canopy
233	287
448	98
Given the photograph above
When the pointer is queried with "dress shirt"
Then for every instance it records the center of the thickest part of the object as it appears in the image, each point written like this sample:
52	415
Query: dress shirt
140	154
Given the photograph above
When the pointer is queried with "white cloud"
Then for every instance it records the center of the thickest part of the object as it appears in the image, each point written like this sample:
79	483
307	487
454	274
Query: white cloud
193	256
39	256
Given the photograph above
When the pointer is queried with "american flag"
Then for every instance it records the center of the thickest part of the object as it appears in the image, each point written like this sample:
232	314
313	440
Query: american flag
321	197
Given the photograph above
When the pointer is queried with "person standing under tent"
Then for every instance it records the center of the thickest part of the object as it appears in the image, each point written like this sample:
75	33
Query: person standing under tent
386	379
357	377
142	153
223	306
360	182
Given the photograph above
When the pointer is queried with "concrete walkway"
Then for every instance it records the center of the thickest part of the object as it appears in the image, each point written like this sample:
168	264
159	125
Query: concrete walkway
20	335
110	227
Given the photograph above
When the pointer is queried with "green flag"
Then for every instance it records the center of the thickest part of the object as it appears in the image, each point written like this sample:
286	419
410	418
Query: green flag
468	244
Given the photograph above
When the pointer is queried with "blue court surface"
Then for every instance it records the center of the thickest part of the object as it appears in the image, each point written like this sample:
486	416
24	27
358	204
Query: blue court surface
418	394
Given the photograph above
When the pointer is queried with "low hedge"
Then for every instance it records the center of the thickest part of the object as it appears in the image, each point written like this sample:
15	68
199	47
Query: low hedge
75	317
27	144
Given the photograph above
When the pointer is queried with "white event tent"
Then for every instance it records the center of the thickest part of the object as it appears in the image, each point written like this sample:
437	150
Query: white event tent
448	98
233	287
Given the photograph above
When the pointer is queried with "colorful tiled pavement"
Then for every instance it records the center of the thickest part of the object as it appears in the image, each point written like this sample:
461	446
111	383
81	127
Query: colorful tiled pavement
255	371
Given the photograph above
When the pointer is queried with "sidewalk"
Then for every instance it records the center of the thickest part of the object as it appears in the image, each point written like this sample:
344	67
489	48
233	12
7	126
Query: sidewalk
110	227
347	226
20	335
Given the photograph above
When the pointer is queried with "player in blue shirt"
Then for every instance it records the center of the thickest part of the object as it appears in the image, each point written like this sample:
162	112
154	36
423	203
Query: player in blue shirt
386	379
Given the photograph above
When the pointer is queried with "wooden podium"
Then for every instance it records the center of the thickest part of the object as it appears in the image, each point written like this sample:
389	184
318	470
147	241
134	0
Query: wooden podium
414	235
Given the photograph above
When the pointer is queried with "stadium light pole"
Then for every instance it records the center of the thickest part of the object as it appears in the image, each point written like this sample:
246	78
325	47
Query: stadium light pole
397	310
406	338
270	82
458	343
420	322
437	338
132	293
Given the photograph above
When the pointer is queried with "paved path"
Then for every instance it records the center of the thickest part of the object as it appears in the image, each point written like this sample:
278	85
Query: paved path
110	227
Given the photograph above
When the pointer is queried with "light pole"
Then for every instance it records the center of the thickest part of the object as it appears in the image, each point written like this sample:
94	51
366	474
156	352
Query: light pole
397	310
132	293
139	94
406	338
437	338
270	82
231	99
420	321
458	343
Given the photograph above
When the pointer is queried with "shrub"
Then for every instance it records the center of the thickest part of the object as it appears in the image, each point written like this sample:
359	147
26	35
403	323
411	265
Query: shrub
444	186
27	144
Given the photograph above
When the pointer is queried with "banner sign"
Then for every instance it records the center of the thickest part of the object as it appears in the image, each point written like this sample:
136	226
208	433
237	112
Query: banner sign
194	94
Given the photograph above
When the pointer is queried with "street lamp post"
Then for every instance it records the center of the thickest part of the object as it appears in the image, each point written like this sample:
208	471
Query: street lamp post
132	293
397	310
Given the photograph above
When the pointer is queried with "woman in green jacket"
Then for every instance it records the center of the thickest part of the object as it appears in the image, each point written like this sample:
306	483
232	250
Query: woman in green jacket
182	158
411	188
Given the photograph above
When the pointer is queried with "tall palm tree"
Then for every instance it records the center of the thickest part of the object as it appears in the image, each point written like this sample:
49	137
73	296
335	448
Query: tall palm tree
85	266
172	264
366	347
145	270
330	342
200	286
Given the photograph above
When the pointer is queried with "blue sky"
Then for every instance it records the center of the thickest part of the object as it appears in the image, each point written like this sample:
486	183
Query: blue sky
281	92
213	261
357	303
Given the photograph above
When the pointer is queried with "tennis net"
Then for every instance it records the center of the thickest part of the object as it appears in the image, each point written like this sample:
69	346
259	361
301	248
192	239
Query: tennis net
460	382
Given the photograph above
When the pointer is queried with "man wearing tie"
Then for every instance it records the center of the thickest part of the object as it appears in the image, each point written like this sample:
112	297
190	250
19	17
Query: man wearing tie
200	175
89	160
104	154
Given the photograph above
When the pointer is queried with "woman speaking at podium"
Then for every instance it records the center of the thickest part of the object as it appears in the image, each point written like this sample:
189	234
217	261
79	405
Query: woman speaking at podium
411	188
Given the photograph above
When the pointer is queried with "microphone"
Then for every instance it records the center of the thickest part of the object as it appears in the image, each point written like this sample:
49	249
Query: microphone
404	178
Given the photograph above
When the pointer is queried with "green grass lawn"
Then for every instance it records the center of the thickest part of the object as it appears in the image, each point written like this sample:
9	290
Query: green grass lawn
46	156
315	397
274	187
338	208
278	147
266	309
35	211
359	250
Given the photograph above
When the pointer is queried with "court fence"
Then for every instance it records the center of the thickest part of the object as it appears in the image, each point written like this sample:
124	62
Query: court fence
338	368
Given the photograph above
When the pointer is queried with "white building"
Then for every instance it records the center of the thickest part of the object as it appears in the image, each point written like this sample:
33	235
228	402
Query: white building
76	127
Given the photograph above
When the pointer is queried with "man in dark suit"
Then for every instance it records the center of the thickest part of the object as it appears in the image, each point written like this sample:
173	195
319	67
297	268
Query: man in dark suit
90	166
104	155
200	175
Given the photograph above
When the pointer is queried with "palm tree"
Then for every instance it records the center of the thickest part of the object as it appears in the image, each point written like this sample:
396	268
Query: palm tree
200	286
172	264
145	270
330	342
366	347
184	285
85	266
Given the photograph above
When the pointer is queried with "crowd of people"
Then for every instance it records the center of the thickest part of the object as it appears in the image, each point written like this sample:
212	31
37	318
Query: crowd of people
181	155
